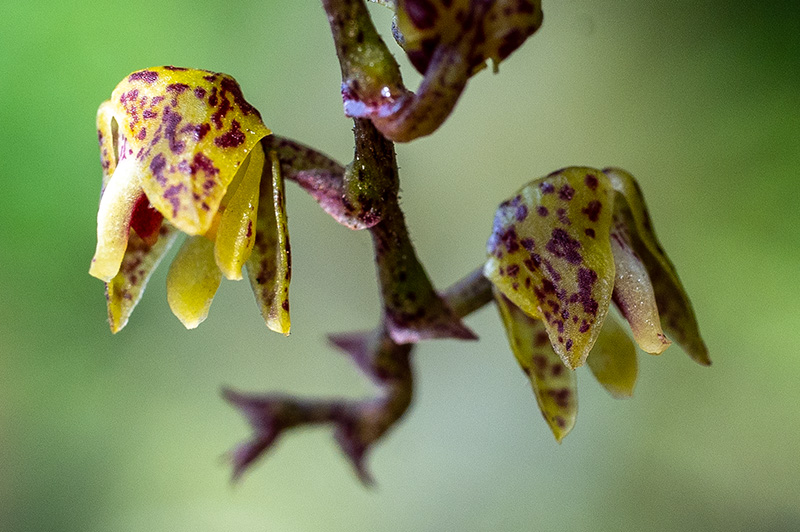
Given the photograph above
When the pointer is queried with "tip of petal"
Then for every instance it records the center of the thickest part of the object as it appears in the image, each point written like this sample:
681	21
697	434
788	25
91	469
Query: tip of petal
103	270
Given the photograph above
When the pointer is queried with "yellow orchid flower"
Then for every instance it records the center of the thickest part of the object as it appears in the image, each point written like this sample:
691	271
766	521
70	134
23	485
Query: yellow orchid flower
562	250
181	152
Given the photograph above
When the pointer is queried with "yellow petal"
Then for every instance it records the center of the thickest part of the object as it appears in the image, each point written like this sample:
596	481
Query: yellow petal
114	220
554	384
633	293
188	131
549	253
613	359
270	264
677	316
192	281
125	290
237	227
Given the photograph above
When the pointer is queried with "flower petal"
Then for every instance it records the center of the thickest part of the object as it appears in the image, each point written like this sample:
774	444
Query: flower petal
119	198
270	264
107	138
549	253
236	231
633	293
613	359
554	384
192	281
188	132
677	316
125	290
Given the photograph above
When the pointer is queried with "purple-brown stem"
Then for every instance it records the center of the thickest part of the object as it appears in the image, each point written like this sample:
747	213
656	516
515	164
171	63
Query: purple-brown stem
363	195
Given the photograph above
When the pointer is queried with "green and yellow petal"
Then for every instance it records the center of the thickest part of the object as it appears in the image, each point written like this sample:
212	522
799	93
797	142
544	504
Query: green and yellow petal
192	281
269	267
549	253
613	359
236	232
553	383
677	316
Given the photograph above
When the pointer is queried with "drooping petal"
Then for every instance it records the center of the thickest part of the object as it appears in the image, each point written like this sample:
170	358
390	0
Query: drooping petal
114	220
549	253
188	132
613	359
554	384
192	281
125	290
237	227
270	264
633	293
677	316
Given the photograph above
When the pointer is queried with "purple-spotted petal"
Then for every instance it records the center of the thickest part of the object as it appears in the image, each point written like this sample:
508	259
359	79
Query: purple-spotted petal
186	131
422	26
549	253
554	384
125	290
269	267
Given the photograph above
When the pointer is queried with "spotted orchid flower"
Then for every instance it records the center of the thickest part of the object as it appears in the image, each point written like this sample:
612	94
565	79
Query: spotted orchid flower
483	30
561	251
181	153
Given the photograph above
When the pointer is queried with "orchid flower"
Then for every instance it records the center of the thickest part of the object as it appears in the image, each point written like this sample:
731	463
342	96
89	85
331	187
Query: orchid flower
181	152
561	251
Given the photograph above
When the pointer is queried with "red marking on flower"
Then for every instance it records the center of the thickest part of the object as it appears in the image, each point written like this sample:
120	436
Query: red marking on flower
232	138
148	76
172	194
204	164
592	210
146	220
566	193
177	88
563	246
586	280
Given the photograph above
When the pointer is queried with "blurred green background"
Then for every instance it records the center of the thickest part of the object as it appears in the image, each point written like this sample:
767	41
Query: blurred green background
700	100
